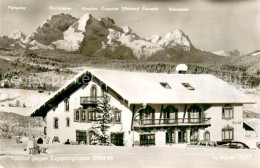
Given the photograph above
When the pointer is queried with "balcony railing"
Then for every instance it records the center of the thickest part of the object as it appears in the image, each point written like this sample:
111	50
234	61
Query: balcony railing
171	122
90	100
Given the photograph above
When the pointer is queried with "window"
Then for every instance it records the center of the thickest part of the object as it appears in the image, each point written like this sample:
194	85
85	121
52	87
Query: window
67	122
170	115
147	115
45	130
188	86
147	139
83	115
227	112
207	136
117	139
117	116
170	138
56	123
182	136
93	115
76	115
81	136
165	85
67	106
93	92
194	114
228	133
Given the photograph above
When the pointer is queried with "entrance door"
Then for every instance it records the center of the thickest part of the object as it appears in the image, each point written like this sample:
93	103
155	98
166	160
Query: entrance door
194	134
117	139
147	139
91	138
81	137
182	136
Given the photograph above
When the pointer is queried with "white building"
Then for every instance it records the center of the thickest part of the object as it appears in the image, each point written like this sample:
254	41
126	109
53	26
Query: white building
149	108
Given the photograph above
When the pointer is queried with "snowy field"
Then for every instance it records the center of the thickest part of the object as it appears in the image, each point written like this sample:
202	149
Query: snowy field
61	155
253	107
88	156
14	100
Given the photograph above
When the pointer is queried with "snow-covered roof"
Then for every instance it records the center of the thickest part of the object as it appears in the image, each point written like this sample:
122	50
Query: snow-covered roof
140	87
155	88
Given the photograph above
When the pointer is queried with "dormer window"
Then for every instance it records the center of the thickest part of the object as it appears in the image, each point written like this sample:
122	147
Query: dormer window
165	85
188	86
67	106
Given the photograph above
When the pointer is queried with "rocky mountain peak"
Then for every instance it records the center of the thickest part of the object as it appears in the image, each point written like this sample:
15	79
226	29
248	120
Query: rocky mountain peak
52	29
81	24
127	29
176	39
102	37
17	35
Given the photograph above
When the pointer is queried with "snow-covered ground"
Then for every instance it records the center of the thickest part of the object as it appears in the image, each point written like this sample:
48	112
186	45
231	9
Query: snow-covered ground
14	100
112	156
254	107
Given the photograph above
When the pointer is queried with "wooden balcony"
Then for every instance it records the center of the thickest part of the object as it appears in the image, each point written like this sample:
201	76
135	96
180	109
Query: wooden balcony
172	122
92	101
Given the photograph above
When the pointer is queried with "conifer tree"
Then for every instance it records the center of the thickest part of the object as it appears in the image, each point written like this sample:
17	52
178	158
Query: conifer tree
104	121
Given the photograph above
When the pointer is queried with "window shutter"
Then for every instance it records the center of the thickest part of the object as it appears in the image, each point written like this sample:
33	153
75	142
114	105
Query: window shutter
176	116
88	116
114	117
189	111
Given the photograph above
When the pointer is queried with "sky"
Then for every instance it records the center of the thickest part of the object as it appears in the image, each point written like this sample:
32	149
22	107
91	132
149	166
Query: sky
211	25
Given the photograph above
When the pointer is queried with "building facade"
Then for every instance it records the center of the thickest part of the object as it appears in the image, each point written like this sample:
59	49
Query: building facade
148	109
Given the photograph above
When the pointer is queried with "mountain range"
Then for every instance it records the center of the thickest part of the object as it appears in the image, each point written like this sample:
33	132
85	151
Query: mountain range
103	38
228	53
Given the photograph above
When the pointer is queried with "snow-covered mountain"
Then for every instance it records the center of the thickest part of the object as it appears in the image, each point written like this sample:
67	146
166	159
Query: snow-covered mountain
75	34
250	62
100	36
52	29
103	38
176	39
17	35
35	45
18	44
255	53
5	41
227	53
